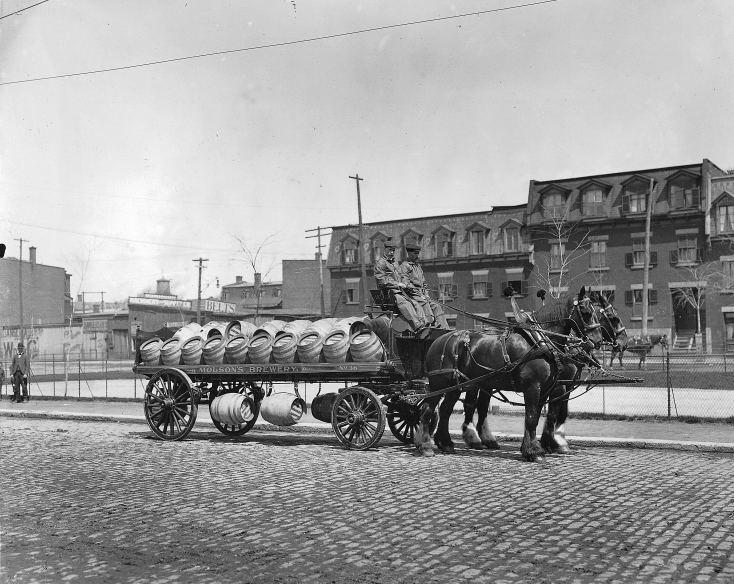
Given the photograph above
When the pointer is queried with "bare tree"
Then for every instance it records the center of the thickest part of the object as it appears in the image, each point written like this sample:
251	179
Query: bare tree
709	277
569	244
253	255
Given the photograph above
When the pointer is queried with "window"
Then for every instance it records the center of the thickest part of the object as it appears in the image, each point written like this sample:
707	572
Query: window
351	292
410	238
554	205
598	254
512	239
447	290
684	195
476	242
727	268
444	244
638	252
687	249
519	286
479	287
276	292
350	252
557	252
634	298
635	199
725	218
378	249
593	203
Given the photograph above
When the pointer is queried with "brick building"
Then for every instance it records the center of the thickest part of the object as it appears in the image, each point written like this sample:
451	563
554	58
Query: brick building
46	292
467	260
591	230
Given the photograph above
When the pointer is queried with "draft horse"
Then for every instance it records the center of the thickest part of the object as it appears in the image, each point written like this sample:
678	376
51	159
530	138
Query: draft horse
520	360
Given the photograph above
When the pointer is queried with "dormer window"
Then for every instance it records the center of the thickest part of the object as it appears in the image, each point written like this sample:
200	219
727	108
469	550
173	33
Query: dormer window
377	246
725	214
684	193
592	202
408	238
476	237
443	241
350	251
554	205
634	199
512	239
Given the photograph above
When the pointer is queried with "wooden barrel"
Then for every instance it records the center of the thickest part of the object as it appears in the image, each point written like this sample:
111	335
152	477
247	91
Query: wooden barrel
346	323
284	347
150	351
247	328
191	351
272	327
260	347
282	409
213	329
186	332
366	346
322	326
310	347
233	328
336	346
232	409
235	349
171	352
296	327
321	406
214	351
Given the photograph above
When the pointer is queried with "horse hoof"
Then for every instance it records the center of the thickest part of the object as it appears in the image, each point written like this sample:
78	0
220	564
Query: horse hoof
427	453
538	458
475	446
493	445
562	450
446	448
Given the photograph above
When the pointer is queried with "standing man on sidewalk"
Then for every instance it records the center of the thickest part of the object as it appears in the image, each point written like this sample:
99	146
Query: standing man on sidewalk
19	369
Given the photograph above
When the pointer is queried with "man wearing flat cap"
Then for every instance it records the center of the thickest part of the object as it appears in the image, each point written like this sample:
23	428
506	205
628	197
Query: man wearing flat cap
19	370
390	277
417	289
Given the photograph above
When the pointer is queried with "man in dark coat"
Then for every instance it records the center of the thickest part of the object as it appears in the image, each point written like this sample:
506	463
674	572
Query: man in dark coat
389	277
19	370
417	289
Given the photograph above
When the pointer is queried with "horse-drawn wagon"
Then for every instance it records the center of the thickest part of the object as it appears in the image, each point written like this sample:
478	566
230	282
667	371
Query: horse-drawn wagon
399	386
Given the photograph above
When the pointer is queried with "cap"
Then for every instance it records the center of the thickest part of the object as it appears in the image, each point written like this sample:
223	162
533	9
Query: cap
413	247
21	346
389	243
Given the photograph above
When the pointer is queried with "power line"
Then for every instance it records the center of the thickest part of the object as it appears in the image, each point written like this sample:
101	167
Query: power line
23	9
281	44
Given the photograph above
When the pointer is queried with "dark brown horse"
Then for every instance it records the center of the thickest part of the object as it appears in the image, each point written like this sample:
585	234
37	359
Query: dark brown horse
518	360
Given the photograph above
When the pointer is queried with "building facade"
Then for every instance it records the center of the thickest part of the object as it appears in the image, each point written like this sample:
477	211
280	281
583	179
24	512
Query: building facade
468	259
46	293
591	231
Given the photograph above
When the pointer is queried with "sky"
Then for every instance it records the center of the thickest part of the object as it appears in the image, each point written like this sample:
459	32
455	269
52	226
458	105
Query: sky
138	136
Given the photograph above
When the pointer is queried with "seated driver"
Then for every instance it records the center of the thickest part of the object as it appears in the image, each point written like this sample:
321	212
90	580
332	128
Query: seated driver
417	289
389	277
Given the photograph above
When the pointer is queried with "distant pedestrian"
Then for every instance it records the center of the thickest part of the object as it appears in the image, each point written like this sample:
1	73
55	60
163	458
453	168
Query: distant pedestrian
19	369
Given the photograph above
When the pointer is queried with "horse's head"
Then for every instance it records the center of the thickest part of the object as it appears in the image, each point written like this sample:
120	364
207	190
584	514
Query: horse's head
613	330
583	317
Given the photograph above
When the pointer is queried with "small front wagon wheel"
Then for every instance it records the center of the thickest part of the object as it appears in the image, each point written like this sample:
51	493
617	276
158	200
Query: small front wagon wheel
403	419
170	404
357	418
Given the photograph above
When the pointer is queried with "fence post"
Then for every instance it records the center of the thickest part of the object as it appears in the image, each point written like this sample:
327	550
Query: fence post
80	376
670	389
724	359
105	377
53	370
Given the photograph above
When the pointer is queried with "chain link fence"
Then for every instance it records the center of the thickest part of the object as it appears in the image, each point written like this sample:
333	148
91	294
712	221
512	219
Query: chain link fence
673	385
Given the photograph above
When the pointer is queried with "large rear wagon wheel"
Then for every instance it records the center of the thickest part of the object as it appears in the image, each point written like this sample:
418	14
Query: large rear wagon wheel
357	418
170	404
244	389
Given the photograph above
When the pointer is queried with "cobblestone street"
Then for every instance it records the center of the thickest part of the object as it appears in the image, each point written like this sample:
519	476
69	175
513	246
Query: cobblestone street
105	502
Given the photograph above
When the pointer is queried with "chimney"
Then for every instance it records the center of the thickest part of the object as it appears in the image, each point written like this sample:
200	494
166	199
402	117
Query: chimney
238	279
32	255
95	307
163	286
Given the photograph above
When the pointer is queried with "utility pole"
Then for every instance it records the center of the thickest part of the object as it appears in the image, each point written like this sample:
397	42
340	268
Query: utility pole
363	266
20	286
646	270
321	264
198	302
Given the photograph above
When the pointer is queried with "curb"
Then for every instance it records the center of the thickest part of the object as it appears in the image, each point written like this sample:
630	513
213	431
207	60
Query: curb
323	428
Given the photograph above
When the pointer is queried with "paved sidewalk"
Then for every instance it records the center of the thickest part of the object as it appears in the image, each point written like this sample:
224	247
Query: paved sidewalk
705	437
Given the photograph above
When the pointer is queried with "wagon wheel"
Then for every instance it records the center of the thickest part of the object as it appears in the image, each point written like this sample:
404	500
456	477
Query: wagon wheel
357	418
235	387
403	418
170	404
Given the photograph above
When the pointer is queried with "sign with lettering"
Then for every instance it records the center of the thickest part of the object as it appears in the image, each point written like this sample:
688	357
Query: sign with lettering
95	325
165	303
217	306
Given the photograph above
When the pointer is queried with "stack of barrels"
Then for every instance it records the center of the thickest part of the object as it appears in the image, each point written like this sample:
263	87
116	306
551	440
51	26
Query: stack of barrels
328	340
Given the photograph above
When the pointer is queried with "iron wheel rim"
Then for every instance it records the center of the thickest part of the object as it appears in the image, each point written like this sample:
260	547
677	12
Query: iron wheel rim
358	418
170	405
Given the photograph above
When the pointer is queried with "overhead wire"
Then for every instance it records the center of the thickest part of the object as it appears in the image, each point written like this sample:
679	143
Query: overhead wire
280	44
23	9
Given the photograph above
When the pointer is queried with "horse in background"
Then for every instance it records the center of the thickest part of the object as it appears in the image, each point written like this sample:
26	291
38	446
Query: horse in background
477	355
642	347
